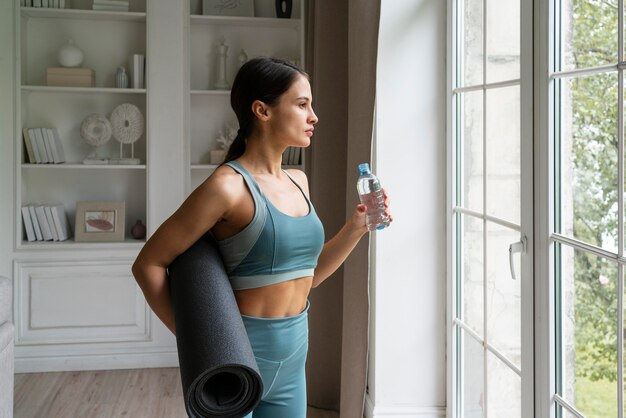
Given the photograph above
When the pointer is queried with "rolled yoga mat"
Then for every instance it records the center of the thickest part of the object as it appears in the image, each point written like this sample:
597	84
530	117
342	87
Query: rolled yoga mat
219	374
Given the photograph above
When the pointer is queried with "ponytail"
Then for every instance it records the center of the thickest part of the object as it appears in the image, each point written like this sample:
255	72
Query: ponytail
237	148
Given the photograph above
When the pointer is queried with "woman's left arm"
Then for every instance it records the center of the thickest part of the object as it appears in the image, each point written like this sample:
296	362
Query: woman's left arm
339	247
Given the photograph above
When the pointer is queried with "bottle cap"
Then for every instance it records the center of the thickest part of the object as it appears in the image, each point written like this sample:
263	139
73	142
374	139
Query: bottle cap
364	168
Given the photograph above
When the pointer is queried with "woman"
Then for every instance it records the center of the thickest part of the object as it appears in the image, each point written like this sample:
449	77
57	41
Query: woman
269	236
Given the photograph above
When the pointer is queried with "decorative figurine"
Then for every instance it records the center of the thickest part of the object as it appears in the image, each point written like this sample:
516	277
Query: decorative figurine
95	130
121	78
222	50
127	123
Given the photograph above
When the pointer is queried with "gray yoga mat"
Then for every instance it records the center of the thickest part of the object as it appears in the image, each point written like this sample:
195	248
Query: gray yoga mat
219	374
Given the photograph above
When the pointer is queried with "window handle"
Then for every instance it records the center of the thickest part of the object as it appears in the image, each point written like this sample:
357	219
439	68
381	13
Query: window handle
516	247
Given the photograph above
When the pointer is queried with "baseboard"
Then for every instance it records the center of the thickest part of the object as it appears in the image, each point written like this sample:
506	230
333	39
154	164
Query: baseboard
404	411
95	362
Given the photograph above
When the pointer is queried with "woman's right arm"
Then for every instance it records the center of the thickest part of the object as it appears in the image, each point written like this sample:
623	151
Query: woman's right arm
210	202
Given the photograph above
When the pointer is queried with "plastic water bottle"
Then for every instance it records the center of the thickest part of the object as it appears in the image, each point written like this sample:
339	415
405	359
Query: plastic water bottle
371	195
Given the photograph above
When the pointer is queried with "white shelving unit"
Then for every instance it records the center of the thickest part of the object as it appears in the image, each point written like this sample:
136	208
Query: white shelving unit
77	306
42	31
262	34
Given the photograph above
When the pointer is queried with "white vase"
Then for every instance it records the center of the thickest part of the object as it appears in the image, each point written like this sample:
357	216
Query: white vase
70	55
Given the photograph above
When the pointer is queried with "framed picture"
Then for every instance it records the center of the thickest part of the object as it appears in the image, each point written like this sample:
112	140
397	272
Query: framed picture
98	221
228	7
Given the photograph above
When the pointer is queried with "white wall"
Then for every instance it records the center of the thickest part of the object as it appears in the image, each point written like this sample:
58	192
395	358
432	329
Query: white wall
407	359
7	117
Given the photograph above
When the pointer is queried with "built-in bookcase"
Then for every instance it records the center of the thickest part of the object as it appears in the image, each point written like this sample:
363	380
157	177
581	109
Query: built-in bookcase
107	40
261	34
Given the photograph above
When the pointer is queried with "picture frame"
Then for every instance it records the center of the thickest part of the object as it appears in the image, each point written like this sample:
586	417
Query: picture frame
100	221
241	8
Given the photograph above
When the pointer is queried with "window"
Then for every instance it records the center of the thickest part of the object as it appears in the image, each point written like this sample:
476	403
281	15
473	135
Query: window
586	231
491	344
549	342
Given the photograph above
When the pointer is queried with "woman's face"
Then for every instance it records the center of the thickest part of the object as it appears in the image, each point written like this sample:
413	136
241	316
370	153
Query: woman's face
291	120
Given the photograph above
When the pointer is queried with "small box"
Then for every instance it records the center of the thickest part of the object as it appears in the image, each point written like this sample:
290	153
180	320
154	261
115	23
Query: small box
71	77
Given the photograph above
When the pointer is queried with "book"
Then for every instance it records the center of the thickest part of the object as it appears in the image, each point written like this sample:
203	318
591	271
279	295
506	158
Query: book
58	145
43	223
41	146
33	218
30	152
28	224
50	139
60	222
47	140
53	229
33	141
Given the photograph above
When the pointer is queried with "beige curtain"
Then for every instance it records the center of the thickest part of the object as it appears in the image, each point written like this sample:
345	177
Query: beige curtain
341	57
363	23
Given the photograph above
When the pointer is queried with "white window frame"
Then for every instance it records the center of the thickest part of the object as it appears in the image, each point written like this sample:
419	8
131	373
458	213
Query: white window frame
529	386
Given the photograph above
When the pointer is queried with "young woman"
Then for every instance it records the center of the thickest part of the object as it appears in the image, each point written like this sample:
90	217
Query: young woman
268	233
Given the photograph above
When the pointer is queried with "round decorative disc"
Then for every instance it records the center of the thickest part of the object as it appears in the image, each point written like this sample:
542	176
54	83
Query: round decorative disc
96	130
127	122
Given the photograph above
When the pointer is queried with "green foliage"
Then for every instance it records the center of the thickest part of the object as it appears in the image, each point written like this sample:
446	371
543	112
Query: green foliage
594	159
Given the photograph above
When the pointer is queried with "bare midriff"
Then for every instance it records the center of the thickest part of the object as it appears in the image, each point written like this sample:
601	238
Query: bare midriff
278	300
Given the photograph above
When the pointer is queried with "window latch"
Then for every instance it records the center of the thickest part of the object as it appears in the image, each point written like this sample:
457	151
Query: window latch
516	247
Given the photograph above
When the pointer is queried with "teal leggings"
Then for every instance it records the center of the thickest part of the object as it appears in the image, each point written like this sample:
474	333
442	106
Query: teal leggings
280	347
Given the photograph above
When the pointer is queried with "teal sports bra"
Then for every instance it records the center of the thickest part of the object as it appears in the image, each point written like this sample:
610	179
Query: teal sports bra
274	247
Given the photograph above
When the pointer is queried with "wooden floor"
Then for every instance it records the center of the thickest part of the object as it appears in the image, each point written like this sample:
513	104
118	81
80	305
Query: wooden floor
132	393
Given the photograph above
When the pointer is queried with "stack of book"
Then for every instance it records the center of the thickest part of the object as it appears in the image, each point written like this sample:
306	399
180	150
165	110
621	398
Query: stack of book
292	156
46	223
111	5
50	4
71	77
43	146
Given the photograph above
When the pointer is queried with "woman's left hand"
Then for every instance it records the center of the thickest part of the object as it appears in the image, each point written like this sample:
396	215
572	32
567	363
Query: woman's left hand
357	221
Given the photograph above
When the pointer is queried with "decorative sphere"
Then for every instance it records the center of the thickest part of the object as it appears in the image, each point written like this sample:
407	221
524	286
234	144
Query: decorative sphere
70	55
96	130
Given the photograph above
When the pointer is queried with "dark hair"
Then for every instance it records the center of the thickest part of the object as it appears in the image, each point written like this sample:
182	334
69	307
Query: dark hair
264	79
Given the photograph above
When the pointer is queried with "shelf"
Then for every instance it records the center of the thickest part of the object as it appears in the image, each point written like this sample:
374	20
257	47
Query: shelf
51	89
204	166
40	12
210	92
84	166
128	243
246	21
214	166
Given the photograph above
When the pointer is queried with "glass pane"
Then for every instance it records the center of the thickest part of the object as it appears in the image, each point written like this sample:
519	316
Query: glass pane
588	33
473	377
473	281
503	294
472	43
503	153
472	143
588	332
588	177
504	389
503	40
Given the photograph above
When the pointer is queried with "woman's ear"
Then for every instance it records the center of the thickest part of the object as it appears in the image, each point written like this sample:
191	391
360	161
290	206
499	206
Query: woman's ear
260	110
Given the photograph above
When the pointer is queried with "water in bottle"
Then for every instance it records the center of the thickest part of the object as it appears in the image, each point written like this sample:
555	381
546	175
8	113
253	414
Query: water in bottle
371	195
